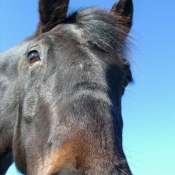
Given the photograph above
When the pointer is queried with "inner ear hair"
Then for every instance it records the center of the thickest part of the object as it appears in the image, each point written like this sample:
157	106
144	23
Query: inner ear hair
51	12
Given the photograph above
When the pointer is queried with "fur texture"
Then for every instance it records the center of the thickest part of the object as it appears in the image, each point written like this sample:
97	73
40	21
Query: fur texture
66	83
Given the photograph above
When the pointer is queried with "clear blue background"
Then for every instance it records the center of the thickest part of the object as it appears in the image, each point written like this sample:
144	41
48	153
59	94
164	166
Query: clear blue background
149	104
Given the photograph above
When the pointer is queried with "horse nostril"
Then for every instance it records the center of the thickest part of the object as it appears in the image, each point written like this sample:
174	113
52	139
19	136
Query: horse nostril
50	144
77	166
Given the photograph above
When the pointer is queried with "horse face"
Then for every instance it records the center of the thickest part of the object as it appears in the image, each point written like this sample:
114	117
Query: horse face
71	79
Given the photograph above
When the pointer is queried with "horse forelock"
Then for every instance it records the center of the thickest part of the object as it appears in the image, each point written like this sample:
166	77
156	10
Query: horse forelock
94	29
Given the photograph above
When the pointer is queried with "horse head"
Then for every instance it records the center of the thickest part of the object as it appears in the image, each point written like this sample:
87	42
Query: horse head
67	81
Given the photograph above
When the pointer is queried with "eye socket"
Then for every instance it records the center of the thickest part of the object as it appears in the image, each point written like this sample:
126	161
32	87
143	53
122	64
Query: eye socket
125	83
33	57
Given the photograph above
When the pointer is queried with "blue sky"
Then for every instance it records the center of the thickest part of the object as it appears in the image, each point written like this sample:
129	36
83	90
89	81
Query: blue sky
149	104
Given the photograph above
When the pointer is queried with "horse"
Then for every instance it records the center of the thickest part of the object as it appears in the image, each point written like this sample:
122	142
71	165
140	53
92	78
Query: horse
61	90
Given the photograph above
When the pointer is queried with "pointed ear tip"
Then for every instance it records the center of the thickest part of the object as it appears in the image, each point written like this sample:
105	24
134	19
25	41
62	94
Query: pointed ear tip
125	6
123	11
122	3
51	12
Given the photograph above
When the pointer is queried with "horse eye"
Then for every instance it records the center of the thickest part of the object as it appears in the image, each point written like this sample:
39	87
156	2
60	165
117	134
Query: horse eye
125	83
33	56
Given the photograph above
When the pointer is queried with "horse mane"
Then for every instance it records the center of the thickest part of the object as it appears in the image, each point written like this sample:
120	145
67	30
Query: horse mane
106	32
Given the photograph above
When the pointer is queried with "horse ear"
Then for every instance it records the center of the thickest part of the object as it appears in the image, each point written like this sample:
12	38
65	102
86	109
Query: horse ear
123	10
52	12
